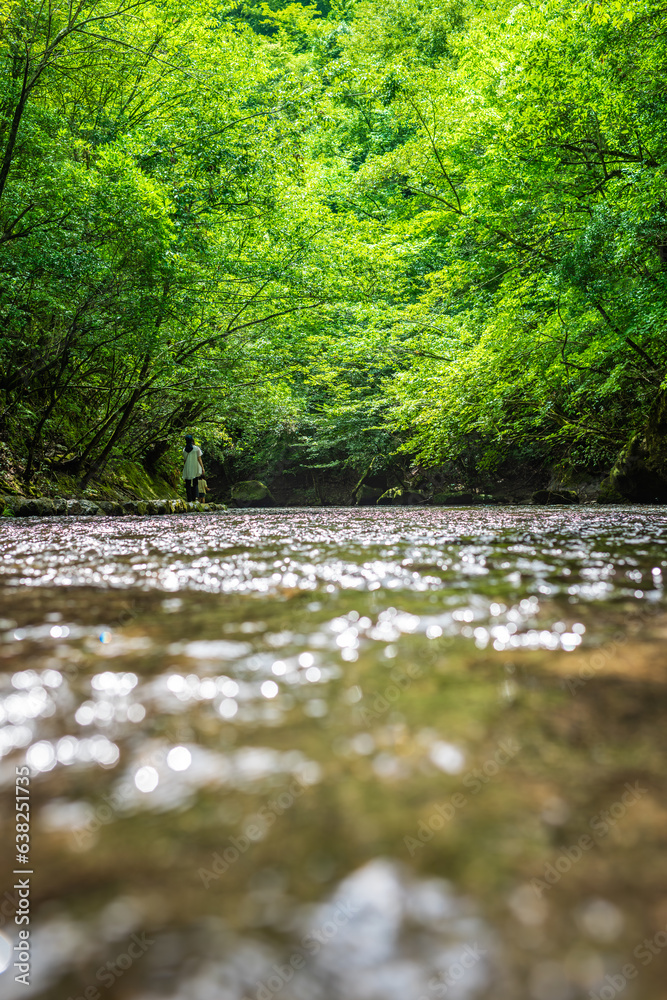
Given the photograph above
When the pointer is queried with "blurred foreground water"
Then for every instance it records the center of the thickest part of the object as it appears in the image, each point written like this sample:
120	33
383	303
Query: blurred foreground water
392	754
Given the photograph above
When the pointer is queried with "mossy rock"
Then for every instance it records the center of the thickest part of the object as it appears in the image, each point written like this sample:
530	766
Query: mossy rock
110	508
555	497
252	493
21	507
31	507
457	498
41	507
608	493
90	509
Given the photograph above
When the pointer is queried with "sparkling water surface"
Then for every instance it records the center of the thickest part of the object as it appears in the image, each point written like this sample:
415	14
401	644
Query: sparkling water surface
338	753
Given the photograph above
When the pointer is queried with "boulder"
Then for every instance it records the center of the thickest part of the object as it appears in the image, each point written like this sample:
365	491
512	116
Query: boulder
555	497
252	493
22	508
44	508
110	508
30	507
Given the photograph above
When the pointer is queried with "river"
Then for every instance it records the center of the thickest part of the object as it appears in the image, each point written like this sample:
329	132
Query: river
315	754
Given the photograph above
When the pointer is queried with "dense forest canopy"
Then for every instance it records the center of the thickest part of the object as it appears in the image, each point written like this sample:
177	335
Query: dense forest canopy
351	235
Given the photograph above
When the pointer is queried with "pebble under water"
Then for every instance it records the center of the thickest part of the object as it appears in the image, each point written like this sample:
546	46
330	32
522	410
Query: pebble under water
338	754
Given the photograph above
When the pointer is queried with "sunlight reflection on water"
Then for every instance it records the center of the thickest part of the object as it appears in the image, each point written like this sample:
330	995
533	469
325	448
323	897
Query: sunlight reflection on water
314	708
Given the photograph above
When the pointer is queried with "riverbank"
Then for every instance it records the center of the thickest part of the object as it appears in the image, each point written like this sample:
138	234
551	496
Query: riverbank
45	507
127	487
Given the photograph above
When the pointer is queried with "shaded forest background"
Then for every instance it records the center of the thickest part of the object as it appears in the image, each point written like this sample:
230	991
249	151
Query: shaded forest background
351	243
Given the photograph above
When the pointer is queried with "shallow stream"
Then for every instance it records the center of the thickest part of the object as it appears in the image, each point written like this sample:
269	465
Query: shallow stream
338	754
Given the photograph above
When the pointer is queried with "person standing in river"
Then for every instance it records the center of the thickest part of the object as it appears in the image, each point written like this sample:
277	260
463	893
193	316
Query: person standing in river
193	468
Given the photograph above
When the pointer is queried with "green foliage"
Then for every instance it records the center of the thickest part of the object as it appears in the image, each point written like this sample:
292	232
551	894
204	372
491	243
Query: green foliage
345	236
